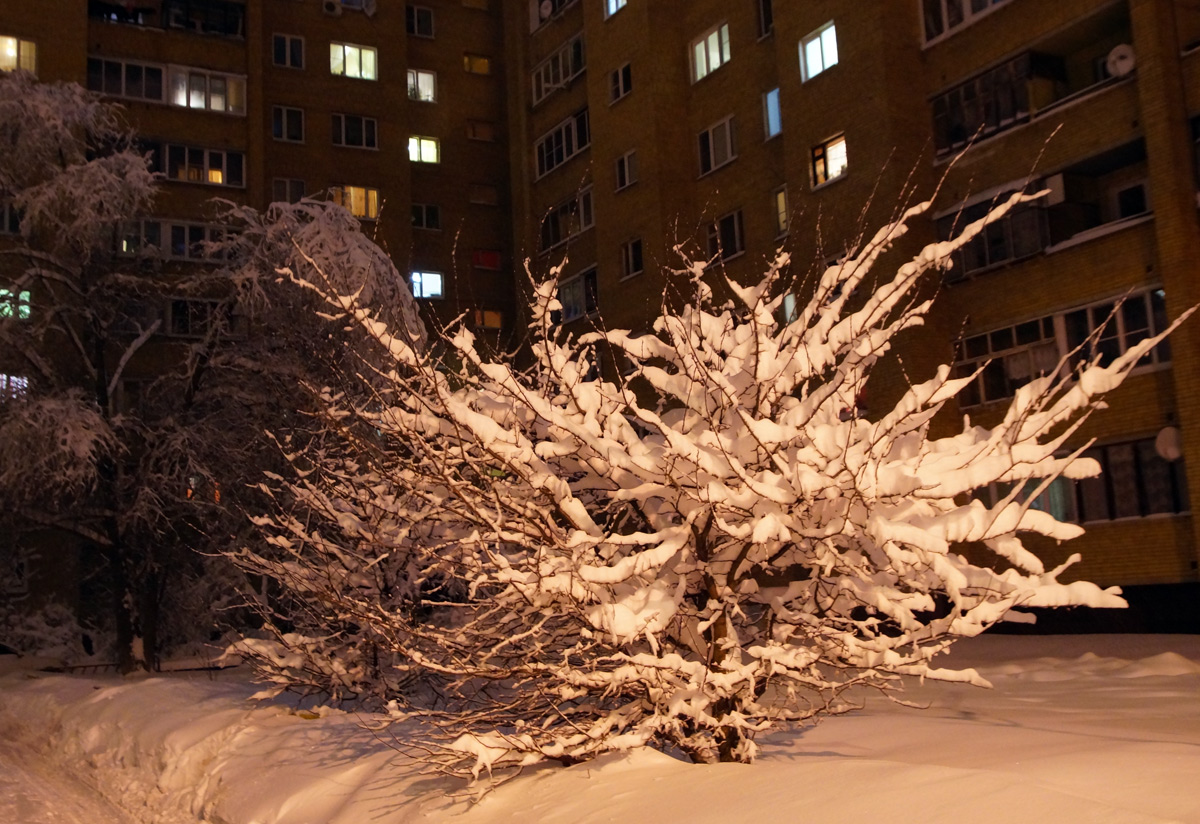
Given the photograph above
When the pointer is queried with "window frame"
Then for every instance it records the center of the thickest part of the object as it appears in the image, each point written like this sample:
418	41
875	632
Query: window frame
190	75
420	143
16	304
700	54
414	84
588	302
969	17
817	36
290	186
417	280
362	51
560	69
716	231
280	117
556	228
783	215
22	47
626	168
562	143
620	83
769	96
479	64
707	144
632	258
371	200
289	41
204	167
413	21
369	127
611	7
427	210
820	154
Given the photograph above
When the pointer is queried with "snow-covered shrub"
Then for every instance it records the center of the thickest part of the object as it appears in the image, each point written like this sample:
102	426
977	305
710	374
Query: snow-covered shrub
52	631
712	547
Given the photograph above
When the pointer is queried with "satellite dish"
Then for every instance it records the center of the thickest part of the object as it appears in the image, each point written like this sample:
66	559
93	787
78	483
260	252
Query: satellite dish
546	9
1120	60
1168	444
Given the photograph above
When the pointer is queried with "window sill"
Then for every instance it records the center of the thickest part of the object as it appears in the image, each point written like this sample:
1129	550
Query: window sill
631	276
715	169
1103	230
627	186
722	260
819	186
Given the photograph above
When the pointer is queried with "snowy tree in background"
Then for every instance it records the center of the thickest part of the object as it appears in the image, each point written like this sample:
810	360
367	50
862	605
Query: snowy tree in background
138	446
712	547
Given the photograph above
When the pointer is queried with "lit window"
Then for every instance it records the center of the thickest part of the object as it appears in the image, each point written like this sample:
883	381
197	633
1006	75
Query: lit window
487	259
422	86
477	64
427	285
287	50
18	54
627	170
349	60
772	117
710	51
287	124
418	20
631	258
424	149
829	160
355	131
620	82
196	89
15	304
611	7
717	146
360	201
782	213
196	165
489	319
13	386
818	51
725	239
287	190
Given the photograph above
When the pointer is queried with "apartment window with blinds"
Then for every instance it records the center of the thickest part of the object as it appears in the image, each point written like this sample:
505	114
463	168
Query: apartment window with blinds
360	201
17	54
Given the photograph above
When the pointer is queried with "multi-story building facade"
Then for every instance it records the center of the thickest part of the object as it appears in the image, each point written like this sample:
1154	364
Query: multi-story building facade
738	128
395	111
609	132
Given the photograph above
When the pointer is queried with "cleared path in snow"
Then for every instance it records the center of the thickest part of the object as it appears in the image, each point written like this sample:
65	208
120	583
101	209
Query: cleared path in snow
35	791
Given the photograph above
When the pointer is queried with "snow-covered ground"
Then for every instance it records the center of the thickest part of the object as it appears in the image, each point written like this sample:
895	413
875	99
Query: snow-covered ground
1083	728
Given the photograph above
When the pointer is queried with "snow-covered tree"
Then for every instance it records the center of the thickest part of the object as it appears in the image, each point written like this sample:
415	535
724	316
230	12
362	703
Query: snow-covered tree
714	545
139	445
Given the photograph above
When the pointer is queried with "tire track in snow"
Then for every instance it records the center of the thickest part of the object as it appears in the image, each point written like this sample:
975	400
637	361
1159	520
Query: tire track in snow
36	791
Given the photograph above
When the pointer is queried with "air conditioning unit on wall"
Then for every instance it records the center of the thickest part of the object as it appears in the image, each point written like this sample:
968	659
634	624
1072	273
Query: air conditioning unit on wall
332	7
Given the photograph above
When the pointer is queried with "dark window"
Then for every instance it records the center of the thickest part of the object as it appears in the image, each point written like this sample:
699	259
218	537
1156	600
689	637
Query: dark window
418	20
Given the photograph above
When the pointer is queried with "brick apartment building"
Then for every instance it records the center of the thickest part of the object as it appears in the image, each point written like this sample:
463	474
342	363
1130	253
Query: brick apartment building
611	131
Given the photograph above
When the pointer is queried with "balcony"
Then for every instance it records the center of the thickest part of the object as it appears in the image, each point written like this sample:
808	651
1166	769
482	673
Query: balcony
209	17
